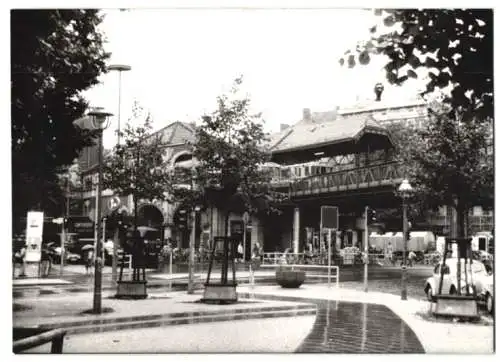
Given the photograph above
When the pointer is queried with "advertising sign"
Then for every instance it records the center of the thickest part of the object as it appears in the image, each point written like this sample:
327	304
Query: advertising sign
34	232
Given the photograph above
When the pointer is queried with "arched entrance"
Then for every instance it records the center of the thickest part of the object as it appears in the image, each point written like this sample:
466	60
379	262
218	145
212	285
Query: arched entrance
182	158
149	215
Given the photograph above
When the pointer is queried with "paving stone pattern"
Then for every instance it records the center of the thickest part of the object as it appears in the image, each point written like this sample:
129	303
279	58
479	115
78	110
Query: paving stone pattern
348	327
342	327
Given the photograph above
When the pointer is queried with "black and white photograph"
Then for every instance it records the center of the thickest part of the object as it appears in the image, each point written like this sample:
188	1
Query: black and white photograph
251	177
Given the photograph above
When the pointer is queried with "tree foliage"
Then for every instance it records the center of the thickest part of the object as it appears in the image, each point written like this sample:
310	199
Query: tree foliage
449	160
137	167
455	45
230	151
55	54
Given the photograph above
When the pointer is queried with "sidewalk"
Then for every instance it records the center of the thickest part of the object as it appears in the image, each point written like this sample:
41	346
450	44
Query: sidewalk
67	311
178	307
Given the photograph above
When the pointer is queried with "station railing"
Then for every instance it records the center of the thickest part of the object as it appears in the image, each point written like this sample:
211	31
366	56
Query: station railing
361	177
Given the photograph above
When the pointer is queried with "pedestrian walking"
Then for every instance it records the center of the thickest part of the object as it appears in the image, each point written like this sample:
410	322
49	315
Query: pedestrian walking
45	263
390	253
240	251
20	258
411	257
89	261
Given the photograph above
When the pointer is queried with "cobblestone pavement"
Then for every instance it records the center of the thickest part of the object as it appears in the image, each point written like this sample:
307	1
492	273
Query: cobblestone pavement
435	334
343	327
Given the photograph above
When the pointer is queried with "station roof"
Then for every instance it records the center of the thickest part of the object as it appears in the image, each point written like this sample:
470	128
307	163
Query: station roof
321	136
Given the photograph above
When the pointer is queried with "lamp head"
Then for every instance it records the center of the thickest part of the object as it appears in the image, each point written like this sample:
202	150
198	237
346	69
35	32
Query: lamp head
120	67
405	188
99	118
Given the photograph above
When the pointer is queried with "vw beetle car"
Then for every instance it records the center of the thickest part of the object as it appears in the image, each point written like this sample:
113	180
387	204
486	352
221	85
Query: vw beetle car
450	283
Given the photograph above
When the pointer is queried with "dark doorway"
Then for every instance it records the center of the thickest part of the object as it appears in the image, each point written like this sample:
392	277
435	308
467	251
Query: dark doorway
236	231
248	245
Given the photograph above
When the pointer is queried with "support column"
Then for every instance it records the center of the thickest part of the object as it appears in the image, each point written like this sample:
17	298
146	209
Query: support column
296	229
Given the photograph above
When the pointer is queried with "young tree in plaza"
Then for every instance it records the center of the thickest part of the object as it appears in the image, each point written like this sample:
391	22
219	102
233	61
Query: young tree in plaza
230	151
55	54
136	166
454	46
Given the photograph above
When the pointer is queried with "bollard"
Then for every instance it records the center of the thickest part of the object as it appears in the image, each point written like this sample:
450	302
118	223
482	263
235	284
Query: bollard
170	271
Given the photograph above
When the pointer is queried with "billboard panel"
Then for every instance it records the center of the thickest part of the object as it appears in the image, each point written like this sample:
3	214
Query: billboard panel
34	232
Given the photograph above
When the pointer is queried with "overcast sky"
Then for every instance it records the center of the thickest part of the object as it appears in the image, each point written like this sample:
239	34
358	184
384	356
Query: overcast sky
182	59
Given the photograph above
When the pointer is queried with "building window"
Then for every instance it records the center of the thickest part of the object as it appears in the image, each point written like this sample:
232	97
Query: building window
477	211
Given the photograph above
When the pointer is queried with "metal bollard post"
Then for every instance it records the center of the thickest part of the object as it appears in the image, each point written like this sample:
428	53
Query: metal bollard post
170	271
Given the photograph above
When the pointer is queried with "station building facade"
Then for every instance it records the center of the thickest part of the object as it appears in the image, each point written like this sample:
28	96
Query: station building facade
343	158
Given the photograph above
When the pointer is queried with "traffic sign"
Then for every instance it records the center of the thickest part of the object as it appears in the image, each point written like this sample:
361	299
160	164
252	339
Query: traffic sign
114	203
330	217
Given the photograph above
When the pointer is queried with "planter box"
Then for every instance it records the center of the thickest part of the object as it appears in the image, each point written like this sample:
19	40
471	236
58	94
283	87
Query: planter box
131	289
290	278
220	293
456	306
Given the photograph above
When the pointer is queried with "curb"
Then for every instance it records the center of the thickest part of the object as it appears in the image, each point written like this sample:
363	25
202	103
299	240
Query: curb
158	320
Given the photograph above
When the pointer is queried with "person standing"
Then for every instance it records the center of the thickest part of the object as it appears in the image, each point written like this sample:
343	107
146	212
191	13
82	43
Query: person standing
89	261
240	251
20	258
411	257
389	253
45	262
255	251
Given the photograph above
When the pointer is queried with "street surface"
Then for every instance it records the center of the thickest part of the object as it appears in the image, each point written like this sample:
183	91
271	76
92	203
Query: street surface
381	278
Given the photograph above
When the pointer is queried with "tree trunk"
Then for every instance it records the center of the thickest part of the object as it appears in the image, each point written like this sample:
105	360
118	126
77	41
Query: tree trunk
225	262
226	224
134	197
460	234
114	262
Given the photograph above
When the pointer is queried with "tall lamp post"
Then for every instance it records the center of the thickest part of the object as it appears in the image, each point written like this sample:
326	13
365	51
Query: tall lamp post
192	250
98	120
119	68
405	190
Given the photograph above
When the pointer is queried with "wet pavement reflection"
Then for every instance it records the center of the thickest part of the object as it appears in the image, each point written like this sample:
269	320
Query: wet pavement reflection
350	327
345	327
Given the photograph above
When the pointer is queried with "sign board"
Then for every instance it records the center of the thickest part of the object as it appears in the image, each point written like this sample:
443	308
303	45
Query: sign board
330	217
34	232
114	203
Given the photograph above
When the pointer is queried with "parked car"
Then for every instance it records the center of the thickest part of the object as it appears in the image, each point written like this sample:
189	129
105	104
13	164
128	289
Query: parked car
450	283
486	294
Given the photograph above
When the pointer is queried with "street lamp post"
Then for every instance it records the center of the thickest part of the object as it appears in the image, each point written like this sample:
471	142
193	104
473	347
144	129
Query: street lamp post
99	120
366	251
192	241
405	190
119	68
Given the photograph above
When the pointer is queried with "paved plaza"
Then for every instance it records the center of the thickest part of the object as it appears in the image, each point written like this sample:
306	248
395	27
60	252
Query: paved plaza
267	318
